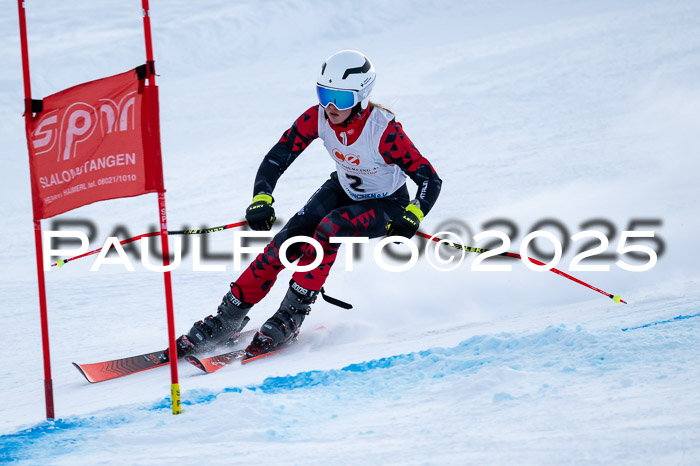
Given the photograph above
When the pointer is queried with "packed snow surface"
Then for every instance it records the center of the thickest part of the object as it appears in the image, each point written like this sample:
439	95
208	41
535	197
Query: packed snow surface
582	114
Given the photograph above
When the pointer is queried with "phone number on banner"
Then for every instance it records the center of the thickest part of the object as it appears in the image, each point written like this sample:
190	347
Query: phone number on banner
116	179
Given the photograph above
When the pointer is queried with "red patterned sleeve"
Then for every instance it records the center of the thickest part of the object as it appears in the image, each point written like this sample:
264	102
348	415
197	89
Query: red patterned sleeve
396	148
292	143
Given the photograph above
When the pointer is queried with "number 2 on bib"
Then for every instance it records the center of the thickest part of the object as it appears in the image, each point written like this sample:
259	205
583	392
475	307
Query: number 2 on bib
356	183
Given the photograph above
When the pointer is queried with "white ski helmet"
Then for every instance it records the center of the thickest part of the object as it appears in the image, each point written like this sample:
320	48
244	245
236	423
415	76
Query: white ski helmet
346	79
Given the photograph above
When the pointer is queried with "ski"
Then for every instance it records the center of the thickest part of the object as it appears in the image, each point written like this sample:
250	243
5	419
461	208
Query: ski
108	370
214	363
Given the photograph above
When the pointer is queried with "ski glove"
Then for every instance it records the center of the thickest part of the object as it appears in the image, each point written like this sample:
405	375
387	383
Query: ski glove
260	214
406	224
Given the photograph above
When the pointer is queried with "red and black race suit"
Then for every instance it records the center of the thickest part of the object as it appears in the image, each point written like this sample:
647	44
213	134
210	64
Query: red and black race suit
330	212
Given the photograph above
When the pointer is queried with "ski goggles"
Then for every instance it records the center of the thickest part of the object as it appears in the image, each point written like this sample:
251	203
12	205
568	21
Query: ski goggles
340	98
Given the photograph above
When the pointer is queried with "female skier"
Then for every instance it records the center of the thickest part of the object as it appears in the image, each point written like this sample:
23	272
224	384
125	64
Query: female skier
365	196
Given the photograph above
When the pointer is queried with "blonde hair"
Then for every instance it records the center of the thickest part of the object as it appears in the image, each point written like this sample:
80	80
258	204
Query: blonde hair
373	105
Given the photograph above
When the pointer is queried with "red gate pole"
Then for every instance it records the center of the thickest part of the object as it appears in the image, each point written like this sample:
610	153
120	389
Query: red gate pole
28	118
175	385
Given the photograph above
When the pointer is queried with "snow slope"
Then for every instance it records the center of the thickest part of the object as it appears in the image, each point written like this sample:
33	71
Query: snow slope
528	110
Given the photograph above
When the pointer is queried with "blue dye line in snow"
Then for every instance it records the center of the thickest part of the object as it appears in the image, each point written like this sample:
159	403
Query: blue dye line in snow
18	446
436	363
661	322
49	439
311	379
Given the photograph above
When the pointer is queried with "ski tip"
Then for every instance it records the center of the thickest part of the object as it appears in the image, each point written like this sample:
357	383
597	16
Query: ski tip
80	369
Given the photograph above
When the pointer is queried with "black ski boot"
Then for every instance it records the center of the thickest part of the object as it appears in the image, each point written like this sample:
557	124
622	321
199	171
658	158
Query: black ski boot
226	325
283	327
